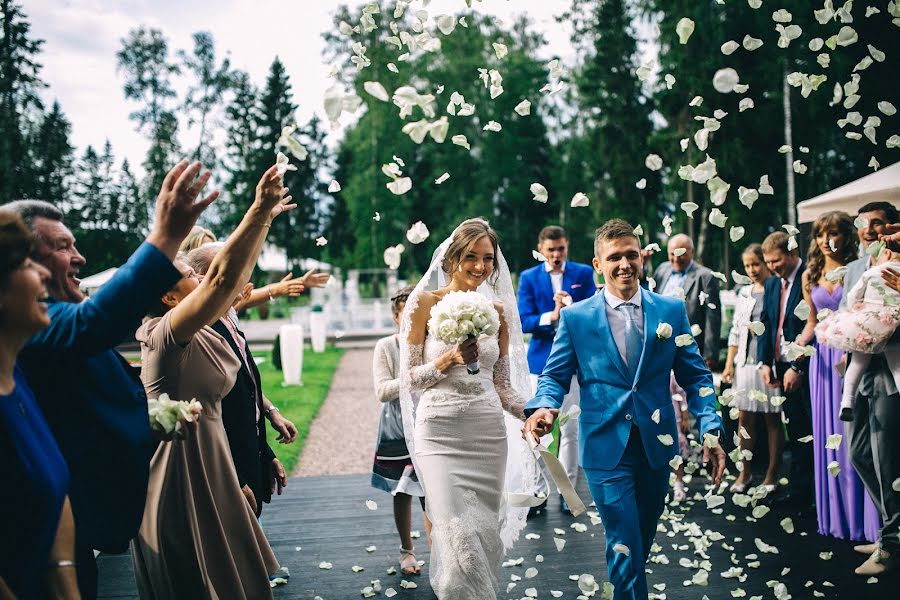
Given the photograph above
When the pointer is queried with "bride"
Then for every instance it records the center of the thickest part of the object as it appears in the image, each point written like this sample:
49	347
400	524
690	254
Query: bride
457	432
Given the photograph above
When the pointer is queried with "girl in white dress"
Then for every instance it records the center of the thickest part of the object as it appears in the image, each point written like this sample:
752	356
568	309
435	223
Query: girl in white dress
457	431
864	327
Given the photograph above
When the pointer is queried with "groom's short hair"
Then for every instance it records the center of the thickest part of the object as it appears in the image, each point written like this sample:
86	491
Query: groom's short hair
612	230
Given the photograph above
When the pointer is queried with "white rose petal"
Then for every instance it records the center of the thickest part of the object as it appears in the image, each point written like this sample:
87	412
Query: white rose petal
539	192
580	200
725	80
418	233
684	29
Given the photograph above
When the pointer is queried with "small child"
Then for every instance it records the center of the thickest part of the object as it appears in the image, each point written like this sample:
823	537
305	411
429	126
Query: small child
864	327
392	470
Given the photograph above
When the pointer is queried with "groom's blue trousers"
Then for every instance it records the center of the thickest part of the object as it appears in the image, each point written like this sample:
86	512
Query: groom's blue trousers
630	499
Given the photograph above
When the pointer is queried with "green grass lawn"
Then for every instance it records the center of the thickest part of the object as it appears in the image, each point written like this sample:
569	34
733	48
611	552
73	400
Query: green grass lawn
298	404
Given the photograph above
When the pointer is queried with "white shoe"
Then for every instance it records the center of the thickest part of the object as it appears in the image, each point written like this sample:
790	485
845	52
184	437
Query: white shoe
878	564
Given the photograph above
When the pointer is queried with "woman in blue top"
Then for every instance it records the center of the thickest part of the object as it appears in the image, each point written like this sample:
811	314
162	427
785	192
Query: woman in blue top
37	545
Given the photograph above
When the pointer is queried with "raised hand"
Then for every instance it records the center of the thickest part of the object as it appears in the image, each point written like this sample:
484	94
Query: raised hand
177	208
312	279
271	194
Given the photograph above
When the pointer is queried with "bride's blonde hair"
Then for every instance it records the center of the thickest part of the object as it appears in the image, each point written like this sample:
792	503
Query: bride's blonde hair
464	236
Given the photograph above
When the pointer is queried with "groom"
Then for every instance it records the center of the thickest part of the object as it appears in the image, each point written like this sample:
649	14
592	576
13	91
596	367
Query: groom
622	353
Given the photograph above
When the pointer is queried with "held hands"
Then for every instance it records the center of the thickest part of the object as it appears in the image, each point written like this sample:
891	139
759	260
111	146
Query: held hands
176	207
540	423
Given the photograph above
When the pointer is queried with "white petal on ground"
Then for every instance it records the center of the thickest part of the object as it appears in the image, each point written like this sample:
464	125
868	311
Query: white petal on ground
684	29
418	233
539	192
736	233
580	200
725	79
334	187
523	108
400	186
442	179
376	90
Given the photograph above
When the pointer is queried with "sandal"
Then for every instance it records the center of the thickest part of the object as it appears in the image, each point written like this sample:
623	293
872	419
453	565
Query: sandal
408	563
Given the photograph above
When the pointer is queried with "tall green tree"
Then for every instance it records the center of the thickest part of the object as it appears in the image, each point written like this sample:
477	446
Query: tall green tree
206	95
20	103
613	125
52	157
148	72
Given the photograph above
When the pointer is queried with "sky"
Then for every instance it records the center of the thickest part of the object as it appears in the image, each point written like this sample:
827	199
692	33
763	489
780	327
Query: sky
83	36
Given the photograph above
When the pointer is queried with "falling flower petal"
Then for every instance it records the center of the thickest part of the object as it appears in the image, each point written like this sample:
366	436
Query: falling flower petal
725	79
684	29
418	233
580	200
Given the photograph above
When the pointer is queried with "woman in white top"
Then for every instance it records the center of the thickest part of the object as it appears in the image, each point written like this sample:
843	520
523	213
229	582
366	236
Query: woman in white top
749	394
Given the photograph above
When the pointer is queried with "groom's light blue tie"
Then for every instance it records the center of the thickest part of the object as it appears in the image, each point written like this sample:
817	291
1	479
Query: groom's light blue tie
633	342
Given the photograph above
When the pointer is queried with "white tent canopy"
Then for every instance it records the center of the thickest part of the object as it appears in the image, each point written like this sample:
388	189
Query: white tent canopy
882	185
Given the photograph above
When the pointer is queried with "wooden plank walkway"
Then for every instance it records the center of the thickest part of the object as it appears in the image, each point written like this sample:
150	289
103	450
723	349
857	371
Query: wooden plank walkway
325	519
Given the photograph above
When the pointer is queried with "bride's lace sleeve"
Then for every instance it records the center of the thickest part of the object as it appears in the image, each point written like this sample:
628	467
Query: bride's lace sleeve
511	400
421	376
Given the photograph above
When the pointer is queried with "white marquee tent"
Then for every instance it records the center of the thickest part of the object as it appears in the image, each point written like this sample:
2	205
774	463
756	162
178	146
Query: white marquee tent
883	185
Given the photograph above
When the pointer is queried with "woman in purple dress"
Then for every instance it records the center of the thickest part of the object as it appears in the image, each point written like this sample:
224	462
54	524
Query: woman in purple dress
843	509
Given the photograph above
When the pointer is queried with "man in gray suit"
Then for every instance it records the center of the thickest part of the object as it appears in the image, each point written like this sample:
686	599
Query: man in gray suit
684	278
874	433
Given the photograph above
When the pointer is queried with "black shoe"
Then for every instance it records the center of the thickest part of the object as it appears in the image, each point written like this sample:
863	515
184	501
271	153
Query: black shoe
564	506
537	510
847	414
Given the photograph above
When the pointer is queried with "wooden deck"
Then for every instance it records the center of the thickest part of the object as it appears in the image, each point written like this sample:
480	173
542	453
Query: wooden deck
326	519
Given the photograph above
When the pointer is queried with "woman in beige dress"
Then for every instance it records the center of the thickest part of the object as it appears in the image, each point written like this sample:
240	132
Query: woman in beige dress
200	537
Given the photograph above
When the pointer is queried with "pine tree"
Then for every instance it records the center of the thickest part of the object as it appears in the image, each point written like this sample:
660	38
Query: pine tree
20	102
144	60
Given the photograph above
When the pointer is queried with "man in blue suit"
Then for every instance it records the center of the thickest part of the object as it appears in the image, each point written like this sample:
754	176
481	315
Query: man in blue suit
544	290
622	344
93	399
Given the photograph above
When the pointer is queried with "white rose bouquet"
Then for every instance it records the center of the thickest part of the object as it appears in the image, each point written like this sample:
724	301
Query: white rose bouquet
463	315
167	416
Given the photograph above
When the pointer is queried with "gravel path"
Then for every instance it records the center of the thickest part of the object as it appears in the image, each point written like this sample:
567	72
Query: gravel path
341	439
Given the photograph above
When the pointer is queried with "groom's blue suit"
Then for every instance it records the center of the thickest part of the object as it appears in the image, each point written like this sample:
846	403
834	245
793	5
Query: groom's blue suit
626	464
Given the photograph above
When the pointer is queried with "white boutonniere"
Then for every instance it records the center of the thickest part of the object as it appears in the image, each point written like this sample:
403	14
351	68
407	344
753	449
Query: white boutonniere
664	331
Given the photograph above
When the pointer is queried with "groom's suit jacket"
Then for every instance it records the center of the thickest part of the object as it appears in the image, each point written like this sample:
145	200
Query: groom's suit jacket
611	404
536	298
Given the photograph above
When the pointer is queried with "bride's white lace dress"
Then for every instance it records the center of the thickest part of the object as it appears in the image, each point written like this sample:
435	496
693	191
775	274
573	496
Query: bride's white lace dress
460	451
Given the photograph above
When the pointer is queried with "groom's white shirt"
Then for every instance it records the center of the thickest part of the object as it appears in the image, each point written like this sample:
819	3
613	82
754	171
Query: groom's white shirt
617	318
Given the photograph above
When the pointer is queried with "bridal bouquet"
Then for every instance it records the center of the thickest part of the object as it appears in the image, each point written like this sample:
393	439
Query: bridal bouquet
463	315
167	416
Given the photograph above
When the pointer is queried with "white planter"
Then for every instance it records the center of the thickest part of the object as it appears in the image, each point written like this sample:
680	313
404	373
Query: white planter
291	345
318	327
